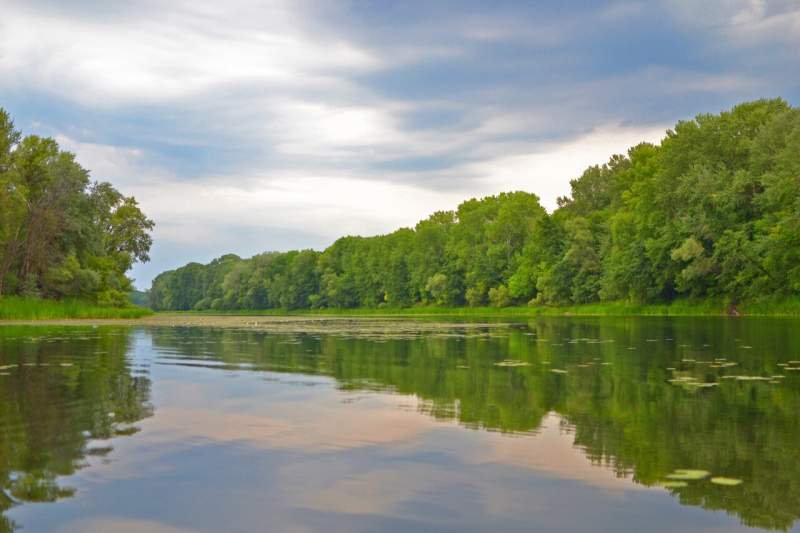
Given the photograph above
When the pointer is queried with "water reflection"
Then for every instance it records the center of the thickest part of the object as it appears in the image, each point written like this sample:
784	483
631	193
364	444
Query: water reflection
63	395
617	393
579	423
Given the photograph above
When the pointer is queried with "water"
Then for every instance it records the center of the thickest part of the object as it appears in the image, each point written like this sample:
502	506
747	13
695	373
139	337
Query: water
546	425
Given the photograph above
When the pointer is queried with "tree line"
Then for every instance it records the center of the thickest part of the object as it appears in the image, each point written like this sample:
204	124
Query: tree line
713	211
61	234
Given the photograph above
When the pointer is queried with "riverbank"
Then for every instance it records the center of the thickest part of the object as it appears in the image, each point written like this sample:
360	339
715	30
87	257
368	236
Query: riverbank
767	307
17	308
26	310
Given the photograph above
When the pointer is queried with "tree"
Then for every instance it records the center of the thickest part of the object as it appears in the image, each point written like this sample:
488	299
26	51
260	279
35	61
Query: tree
60	234
710	212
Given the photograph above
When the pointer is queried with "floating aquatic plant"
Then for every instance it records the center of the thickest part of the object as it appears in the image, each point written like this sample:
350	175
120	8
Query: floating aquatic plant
673	484
512	362
685	474
727	481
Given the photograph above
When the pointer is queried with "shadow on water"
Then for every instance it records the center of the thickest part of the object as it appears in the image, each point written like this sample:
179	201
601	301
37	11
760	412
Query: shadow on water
643	397
64	392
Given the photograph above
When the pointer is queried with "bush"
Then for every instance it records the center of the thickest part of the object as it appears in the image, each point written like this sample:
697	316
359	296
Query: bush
500	296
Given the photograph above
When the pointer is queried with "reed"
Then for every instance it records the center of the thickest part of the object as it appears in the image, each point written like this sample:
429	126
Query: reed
20	308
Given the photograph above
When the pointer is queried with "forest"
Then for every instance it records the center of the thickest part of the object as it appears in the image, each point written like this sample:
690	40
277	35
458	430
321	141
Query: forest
713	211
61	234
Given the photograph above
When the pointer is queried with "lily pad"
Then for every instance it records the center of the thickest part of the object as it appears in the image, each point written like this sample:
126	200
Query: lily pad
512	362
673	484
684	474
727	481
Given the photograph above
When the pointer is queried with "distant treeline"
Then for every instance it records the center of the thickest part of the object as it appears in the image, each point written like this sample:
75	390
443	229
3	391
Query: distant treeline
712	212
62	235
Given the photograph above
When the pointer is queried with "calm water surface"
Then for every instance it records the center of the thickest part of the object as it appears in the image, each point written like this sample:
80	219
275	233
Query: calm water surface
544	425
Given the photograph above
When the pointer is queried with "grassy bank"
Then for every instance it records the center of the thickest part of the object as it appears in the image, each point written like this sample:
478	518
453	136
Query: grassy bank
15	308
767	307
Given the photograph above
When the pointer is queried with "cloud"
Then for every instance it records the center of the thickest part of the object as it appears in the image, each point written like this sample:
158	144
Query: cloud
547	172
126	166
179	50
284	124
743	22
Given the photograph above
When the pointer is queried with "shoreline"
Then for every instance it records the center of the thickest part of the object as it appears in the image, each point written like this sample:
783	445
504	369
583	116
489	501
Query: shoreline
72	312
313	322
789	307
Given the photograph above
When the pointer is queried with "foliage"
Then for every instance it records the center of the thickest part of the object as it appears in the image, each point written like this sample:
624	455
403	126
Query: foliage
61	235
770	306
25	308
711	213
140	298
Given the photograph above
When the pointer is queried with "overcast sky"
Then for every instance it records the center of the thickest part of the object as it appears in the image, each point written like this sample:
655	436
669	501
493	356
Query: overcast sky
246	126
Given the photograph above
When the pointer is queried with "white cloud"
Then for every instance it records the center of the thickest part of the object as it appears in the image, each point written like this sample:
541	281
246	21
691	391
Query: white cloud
320	129
548	170
742	23
127	167
170	52
210	209
302	137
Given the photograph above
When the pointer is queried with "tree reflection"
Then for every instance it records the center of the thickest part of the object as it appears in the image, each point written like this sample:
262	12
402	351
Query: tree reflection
63	389
616	394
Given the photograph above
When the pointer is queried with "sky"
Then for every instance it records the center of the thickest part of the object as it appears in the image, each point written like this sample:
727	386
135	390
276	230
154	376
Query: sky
247	126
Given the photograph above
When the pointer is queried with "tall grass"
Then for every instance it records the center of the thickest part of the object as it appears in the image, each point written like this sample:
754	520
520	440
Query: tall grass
773	306
18	308
766	307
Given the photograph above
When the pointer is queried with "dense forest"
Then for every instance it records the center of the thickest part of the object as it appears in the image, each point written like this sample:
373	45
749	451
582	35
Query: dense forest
711	212
62	235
